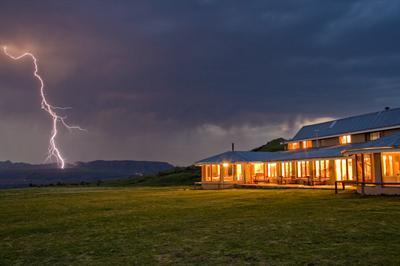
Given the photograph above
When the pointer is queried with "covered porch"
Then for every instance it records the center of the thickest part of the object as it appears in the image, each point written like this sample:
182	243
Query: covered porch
370	171
316	172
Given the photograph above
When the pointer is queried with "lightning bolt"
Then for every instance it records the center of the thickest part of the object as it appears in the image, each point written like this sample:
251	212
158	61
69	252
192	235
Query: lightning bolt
53	150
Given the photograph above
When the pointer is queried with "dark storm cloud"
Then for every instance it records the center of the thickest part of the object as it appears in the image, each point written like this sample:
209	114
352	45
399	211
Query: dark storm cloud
177	80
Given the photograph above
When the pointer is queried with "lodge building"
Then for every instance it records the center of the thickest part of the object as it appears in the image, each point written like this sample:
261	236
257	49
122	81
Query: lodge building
360	151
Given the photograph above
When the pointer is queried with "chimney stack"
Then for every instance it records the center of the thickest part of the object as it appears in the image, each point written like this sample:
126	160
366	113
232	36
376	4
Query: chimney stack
233	146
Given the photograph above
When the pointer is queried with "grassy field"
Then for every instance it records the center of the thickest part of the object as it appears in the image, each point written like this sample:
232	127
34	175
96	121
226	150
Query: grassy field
113	226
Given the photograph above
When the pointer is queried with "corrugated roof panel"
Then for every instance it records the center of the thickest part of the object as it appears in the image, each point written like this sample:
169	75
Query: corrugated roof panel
382	119
392	141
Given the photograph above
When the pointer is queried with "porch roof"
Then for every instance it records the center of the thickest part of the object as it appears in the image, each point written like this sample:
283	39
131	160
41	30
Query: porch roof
388	142
252	156
392	141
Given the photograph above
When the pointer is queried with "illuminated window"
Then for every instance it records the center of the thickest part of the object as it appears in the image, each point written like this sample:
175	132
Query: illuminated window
272	170
238	172
374	135
322	168
303	169
307	144
215	170
208	170
338	169
294	146
206	173
368	167
359	168
292	169
298	169
346	139
258	168
350	168
289	169
391	167
344	169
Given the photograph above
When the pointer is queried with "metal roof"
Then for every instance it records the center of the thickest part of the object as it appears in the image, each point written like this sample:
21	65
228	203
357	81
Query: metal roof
392	141
366	122
252	156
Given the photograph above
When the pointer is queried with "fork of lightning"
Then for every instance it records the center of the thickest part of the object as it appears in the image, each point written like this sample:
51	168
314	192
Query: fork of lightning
53	149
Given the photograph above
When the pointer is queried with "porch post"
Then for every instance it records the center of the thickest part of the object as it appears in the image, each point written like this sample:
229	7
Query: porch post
233	172
378	169
221	173
265	171
355	169
244	172
313	170
211	174
362	175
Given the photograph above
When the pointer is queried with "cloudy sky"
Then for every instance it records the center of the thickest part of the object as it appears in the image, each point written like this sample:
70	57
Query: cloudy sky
180	80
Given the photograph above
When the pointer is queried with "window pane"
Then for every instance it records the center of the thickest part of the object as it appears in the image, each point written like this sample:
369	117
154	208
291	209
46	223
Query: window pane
238	172
350	168
391	167
272	170
368	167
374	135
346	139
258	168
338	169
294	145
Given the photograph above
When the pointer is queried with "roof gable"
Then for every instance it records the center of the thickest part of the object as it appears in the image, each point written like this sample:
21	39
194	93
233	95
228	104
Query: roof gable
383	119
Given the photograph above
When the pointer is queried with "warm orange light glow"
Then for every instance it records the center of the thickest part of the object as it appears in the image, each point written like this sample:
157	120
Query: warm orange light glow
368	167
384	161
391	167
344	169
307	144
293	146
215	170
272	169
238	172
258	168
346	139
350	168
287	169
322	168
338	169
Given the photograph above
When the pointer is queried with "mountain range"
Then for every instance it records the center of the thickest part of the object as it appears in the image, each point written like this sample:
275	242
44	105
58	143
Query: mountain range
25	174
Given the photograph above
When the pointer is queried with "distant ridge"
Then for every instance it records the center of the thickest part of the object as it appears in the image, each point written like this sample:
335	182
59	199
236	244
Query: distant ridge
25	174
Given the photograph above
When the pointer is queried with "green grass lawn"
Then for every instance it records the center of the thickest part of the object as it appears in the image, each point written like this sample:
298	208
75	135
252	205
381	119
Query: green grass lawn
47	226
